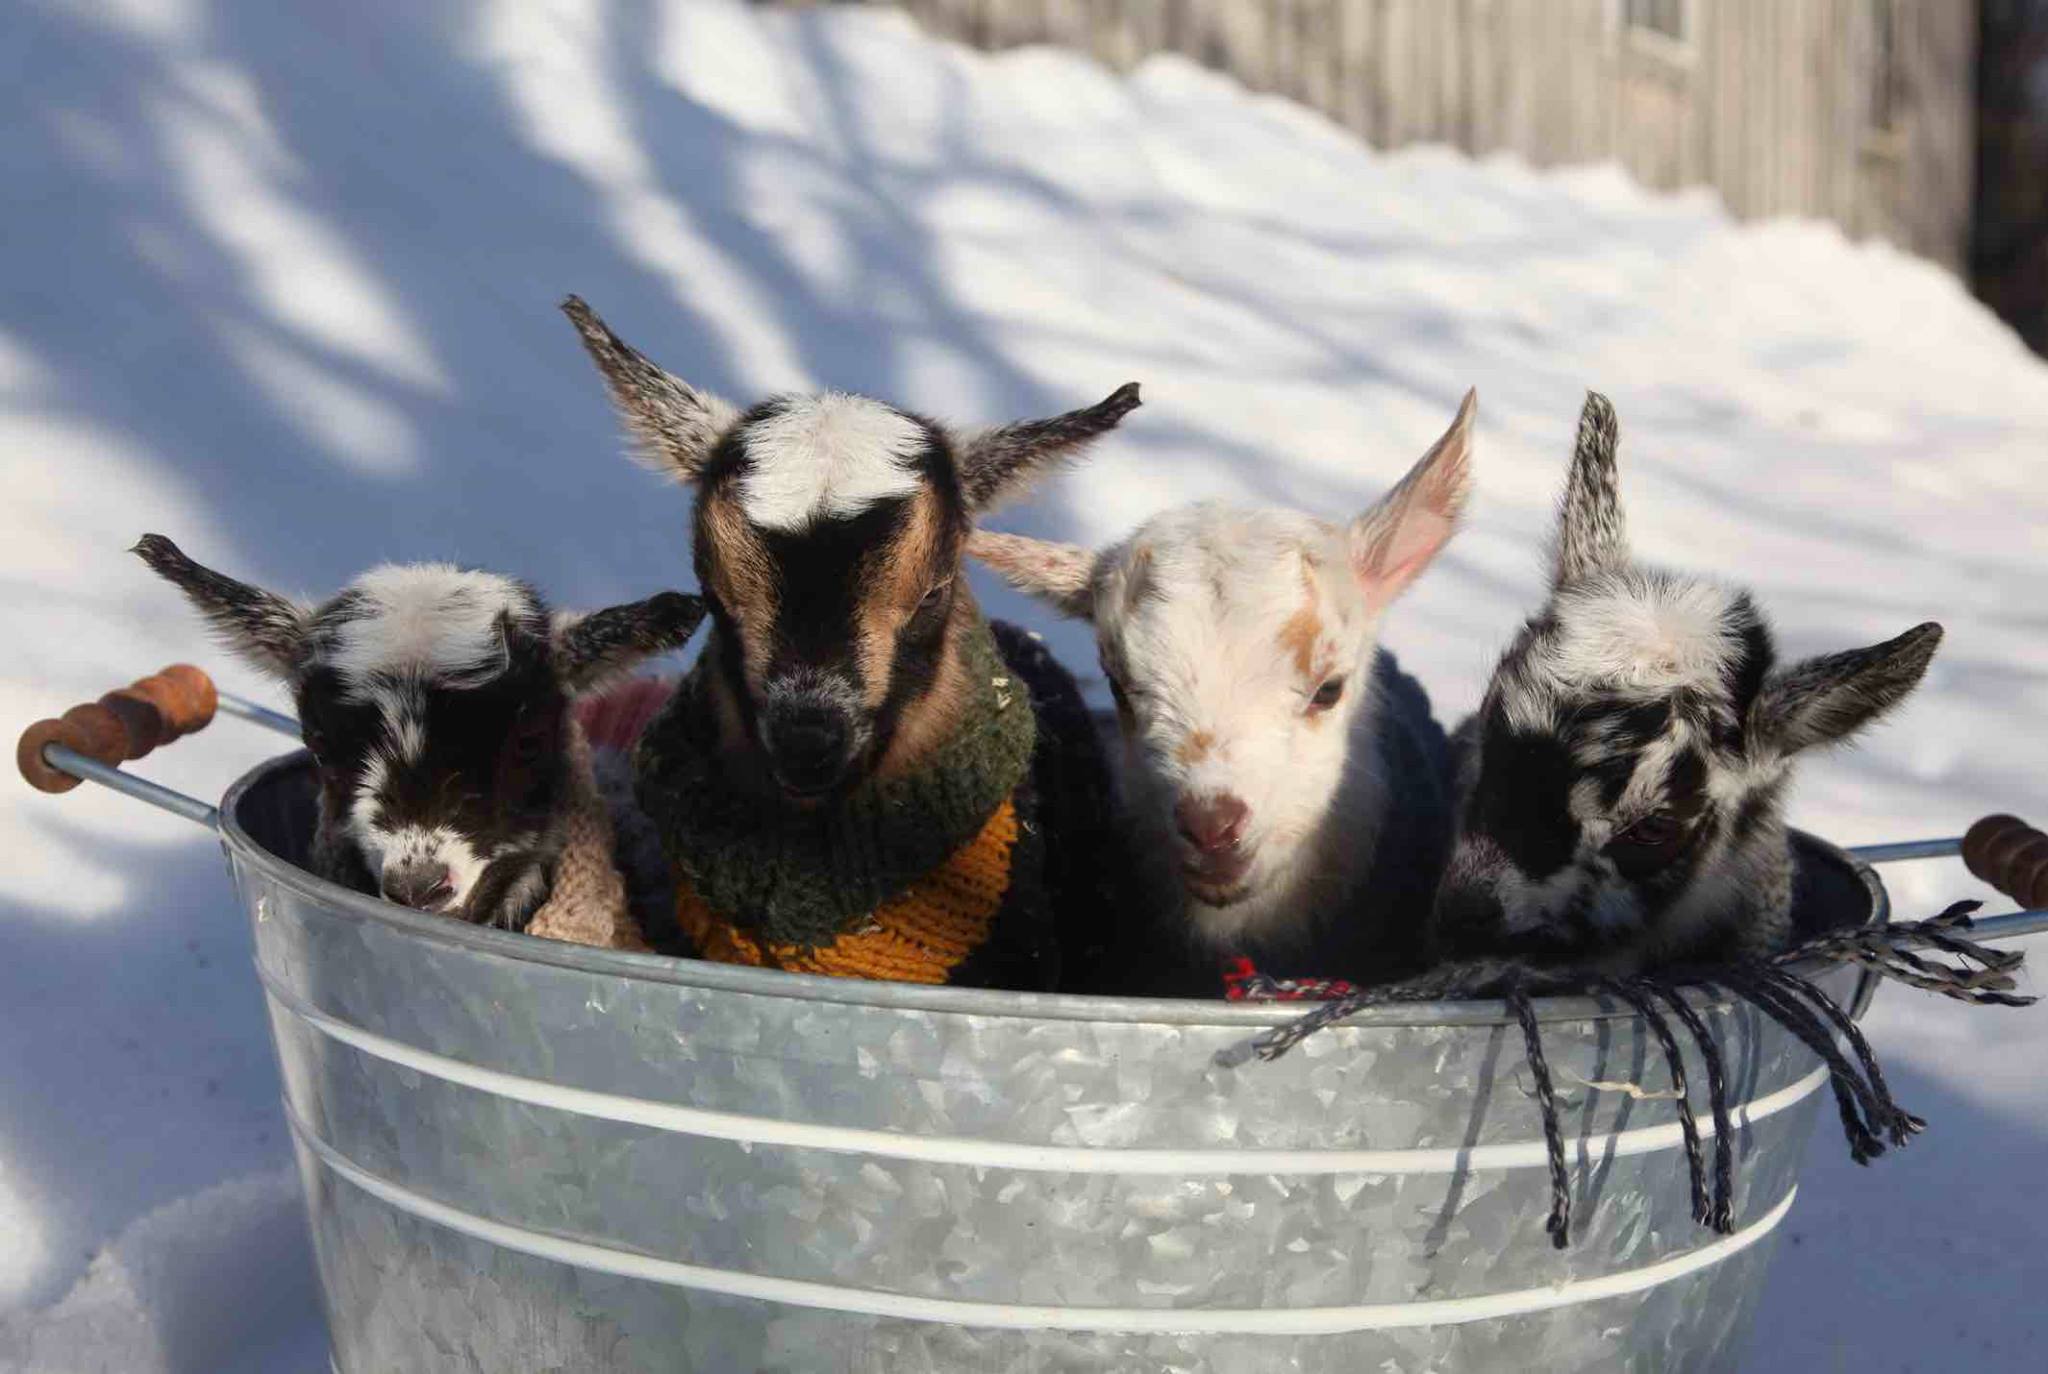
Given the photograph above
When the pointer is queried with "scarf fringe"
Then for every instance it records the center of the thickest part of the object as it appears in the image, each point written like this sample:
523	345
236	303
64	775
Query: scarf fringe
1872	1119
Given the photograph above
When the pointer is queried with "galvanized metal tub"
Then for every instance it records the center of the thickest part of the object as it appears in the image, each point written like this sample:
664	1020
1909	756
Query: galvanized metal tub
521	1155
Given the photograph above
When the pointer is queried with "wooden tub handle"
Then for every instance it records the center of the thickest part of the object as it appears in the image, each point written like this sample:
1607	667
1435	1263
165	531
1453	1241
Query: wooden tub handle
121	726
2012	856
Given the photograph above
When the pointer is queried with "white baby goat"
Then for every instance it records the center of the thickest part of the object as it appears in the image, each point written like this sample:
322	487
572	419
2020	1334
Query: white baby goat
1273	749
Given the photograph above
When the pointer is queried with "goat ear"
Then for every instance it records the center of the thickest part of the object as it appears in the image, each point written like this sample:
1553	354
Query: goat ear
1824	700
999	463
591	648
265	629
1591	533
673	426
1394	541
1061	575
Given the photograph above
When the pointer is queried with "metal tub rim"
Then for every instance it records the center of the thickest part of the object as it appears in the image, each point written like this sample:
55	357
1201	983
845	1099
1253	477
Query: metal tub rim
776	983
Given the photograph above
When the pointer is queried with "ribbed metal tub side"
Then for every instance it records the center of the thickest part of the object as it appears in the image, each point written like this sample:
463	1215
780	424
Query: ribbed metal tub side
541	1156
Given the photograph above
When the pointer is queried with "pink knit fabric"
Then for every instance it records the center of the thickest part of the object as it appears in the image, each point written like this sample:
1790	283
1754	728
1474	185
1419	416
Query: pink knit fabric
587	904
614	718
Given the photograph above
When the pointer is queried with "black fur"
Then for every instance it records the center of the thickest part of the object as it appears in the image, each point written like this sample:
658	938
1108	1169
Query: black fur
1520	801
491	763
604	643
1551	761
1070	818
674	425
997	461
263	627
812	706
1823	699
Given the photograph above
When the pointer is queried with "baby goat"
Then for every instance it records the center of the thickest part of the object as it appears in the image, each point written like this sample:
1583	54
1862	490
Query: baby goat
861	776
435	701
1622	781
1277	759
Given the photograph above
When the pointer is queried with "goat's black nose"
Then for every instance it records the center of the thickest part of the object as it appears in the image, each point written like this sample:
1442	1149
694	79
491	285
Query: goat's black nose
811	747
423	885
1468	919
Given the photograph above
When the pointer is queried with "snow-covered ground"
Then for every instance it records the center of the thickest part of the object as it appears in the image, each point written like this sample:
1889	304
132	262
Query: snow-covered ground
279	281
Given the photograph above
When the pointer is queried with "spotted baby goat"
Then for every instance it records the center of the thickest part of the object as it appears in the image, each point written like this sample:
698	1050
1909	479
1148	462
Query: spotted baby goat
1623	779
1289	779
861	777
435	701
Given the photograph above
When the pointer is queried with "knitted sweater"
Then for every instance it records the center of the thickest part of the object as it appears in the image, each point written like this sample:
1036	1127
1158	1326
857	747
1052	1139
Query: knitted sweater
590	901
940	875
594	897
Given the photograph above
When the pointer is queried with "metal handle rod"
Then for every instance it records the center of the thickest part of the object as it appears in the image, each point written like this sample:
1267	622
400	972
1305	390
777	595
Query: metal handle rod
260	715
2010	926
177	803
1883	853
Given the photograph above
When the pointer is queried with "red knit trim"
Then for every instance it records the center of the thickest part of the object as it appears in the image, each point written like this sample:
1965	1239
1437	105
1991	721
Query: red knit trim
1242	982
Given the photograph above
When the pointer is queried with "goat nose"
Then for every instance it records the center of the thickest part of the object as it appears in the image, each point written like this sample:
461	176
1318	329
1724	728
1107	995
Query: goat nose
423	886
810	736
810	746
1213	824
1468	919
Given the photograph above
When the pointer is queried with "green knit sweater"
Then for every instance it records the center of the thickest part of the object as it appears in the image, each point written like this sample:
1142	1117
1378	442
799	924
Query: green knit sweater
803	877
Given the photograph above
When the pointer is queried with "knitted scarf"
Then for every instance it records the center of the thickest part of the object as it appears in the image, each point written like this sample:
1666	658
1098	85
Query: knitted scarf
778	878
586	903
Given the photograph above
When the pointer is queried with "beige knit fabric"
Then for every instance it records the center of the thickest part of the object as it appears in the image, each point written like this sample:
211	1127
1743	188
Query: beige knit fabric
587	905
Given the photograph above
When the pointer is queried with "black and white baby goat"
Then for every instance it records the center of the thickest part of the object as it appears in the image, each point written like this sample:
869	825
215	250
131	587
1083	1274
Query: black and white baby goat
1622	782
435	701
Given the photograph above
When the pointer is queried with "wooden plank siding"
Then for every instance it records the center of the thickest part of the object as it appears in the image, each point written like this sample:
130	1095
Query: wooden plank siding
1776	103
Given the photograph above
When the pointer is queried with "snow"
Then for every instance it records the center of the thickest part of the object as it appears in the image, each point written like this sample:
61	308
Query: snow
280	283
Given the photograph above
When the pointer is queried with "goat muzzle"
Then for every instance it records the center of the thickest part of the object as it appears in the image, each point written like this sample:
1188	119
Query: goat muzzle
810	749
1215	857
422	886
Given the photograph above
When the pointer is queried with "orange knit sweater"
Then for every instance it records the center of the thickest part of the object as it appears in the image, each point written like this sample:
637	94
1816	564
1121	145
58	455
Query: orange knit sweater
918	936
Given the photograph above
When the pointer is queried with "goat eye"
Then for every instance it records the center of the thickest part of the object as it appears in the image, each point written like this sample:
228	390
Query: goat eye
1653	838
935	596
1659	828
1327	695
530	738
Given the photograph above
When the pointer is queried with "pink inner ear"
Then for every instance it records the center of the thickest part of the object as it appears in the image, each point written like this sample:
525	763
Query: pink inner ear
1387	570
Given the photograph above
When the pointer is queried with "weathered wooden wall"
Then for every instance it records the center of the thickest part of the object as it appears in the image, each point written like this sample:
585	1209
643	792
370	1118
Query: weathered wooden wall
1786	106
2009	243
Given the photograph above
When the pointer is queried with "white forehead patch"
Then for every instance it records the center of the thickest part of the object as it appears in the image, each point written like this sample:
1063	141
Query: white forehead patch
1224	556
1205	585
431	620
1650	635
827	456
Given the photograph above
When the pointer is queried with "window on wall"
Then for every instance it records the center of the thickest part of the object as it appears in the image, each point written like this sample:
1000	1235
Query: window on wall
1665	18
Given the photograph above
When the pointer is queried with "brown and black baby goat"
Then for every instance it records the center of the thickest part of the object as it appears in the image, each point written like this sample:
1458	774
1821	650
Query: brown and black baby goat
861	776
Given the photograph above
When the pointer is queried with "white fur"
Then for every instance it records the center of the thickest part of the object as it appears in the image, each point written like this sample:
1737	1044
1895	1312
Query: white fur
362	811
409	734
1205	615
1191	610
412	845
426	619
827	456
1645	636
1652	637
